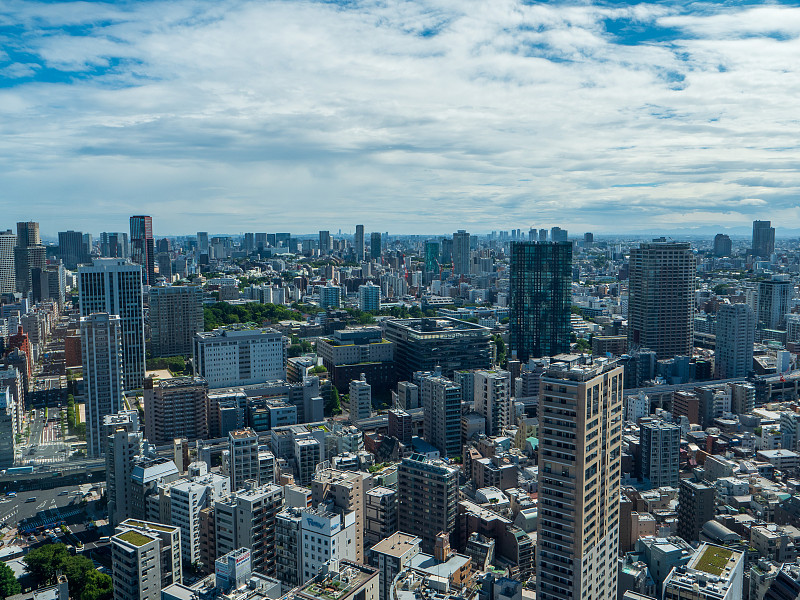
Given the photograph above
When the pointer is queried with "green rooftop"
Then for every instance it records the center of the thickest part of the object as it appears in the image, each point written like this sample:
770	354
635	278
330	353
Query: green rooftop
713	560
135	538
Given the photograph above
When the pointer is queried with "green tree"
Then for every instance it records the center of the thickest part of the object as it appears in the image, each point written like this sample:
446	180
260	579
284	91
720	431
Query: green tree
501	350
44	562
316	370
333	407
98	587
8	583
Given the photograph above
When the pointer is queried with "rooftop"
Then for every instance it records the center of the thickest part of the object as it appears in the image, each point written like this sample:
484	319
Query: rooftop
397	544
134	537
714	560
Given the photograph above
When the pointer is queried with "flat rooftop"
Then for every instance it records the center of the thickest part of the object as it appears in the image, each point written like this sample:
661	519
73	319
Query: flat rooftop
397	544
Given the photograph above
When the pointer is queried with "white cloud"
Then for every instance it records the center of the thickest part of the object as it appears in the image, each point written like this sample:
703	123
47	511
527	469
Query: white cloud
414	116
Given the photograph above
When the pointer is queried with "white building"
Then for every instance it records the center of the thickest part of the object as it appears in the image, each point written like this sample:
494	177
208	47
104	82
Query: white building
325	536
736	333
243	448
187	499
492	399
234	357
103	372
114	286
360	399
713	573
8	282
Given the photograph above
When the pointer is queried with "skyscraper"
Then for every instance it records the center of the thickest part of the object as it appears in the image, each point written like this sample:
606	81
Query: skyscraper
325	244
176	315
114	286
736	327
763	239
8	281
722	245
541	297
143	247
101	345
579	481
661	298
659	444
558	235
427	496
771	300
358	243
29	254
202	242
461	253
72	248
431	257
375	245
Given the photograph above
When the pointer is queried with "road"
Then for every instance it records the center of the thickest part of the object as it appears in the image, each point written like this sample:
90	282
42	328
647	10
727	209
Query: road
45	444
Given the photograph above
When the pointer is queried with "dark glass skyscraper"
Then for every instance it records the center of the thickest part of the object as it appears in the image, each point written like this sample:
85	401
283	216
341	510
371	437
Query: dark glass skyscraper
763	238
541	278
143	247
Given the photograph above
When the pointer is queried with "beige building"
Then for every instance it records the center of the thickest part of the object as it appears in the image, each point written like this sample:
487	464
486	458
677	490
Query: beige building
345	489
175	408
580	413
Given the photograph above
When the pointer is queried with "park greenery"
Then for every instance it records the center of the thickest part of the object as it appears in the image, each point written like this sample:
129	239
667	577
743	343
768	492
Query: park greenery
85	582
177	365
222	313
8	583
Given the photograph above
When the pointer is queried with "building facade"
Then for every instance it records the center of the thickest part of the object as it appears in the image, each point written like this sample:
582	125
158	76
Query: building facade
235	357
176	315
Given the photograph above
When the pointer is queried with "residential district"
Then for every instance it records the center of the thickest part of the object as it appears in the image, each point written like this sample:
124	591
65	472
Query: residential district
366	416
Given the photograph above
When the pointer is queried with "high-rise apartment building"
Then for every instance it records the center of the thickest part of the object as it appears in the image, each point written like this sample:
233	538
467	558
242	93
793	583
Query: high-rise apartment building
186	500
176	315
202	242
329	535
358	243
770	301
136	565
722	245
380	512
170	538
558	235
233	357
29	254
461	252
325	244
661	298
736	333
427	493
763	239
659	444
243	456
441	402
696	502
369	297
492	400
122	448
375	249
541	299
143	247
175	408
580	412
342	491
72	249
8	281
101	346
114	286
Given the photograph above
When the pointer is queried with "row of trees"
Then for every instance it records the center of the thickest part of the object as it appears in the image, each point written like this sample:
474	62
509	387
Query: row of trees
85	582
74	419
222	313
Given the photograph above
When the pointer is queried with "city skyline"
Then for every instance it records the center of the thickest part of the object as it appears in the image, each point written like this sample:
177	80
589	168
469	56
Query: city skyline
607	117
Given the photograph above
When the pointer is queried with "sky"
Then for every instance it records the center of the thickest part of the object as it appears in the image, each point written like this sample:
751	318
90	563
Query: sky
420	116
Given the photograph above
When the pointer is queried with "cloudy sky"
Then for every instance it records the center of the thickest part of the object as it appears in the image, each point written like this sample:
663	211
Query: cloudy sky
408	116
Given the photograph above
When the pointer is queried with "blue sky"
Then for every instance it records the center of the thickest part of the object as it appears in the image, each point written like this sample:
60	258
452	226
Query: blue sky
416	116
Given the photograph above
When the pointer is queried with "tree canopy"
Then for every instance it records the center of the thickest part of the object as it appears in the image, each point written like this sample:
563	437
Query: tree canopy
8	583
85	583
222	313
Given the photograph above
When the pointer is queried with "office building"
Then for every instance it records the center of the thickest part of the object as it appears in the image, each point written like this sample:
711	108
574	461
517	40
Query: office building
123	446
103	368
736	332
8	281
713	573
427	343
330	536
393	555
72	249
441	402
308	453
229	357
375	249
360	399
342	492
202	242
114	286
143	247
351	352
170	538
661	298
558	235
330	296
325	244
176	315
29	254
588	239
763	239
400	425
407	396
431	257
492	400
369	298
136	565
540	289
358	243
722	245
175	408
696	502
380	512
579	481
461	253
247	520
659	444
427	496
186	500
